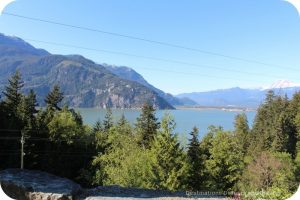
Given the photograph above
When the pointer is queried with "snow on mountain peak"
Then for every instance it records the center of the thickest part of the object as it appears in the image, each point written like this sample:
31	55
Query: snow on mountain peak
281	84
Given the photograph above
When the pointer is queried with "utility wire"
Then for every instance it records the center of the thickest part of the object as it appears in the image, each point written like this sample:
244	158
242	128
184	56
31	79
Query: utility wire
163	60
150	41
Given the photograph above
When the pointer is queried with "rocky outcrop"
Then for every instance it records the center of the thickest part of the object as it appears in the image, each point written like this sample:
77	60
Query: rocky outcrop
37	185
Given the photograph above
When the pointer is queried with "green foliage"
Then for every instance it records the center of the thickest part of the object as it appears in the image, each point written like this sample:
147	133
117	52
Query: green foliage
241	130
269	176
54	98
13	98
108	120
124	162
195	177
225	163
147	125
64	126
273	127
27	110
168	161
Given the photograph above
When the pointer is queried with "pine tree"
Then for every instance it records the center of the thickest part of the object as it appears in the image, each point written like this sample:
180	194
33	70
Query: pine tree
122	120
98	126
241	130
108	120
147	125
195	163
27	110
225	163
54	98
168	165
13	95
273	126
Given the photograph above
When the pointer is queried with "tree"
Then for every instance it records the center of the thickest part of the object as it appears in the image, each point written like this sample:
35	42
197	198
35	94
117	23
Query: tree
225	163
54	98
168	161
12	101
27	110
64	127
124	162
108	120
270	175
273	126
195	163
241	130
147	125
13	92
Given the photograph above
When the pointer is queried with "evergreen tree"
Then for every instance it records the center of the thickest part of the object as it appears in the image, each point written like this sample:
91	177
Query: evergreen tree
273	126
147	125
195	170
13	92
168	161
54	98
225	163
122	120
241	130
27	110
12	101
108	120
98	126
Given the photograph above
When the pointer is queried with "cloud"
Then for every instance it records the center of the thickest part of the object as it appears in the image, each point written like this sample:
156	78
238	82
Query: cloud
296	4
4	3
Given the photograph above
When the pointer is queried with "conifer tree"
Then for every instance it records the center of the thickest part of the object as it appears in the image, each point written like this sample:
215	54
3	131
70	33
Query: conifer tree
225	163
108	120
195	170
241	130
27	110
12	93
147	125
168	167
54	98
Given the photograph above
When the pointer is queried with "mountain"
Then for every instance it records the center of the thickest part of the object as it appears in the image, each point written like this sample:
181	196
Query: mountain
239	97
84	83
130	74
281	84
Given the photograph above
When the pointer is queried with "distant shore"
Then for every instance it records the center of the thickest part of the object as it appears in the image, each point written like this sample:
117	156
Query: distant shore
224	108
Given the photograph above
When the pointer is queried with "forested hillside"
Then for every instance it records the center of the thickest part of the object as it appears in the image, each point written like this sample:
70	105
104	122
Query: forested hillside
258	162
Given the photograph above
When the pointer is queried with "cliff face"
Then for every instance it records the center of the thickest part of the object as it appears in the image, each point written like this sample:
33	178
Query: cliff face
84	83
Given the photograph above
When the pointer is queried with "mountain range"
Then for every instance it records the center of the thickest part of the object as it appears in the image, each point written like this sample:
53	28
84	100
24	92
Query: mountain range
88	84
241	97
84	82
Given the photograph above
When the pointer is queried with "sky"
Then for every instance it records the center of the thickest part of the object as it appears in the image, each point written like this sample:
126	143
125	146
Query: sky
264	31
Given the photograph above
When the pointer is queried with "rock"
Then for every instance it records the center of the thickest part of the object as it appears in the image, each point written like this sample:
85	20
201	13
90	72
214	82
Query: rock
36	185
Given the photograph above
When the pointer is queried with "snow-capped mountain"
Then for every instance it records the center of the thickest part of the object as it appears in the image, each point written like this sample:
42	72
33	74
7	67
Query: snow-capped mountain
241	97
281	84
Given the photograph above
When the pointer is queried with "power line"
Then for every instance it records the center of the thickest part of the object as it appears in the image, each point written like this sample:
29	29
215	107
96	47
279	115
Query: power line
150	41
161	59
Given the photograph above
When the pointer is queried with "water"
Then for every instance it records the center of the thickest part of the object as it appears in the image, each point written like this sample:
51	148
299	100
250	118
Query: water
185	119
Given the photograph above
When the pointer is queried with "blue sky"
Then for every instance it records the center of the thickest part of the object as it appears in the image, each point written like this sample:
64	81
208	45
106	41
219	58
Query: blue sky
264	30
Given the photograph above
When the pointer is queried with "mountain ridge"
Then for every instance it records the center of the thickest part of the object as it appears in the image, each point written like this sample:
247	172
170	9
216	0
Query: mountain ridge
236	96
84	83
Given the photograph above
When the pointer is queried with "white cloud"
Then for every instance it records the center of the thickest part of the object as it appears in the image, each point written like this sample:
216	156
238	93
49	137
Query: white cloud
4	3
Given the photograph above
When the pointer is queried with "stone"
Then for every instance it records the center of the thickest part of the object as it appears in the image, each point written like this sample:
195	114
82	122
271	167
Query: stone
36	185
